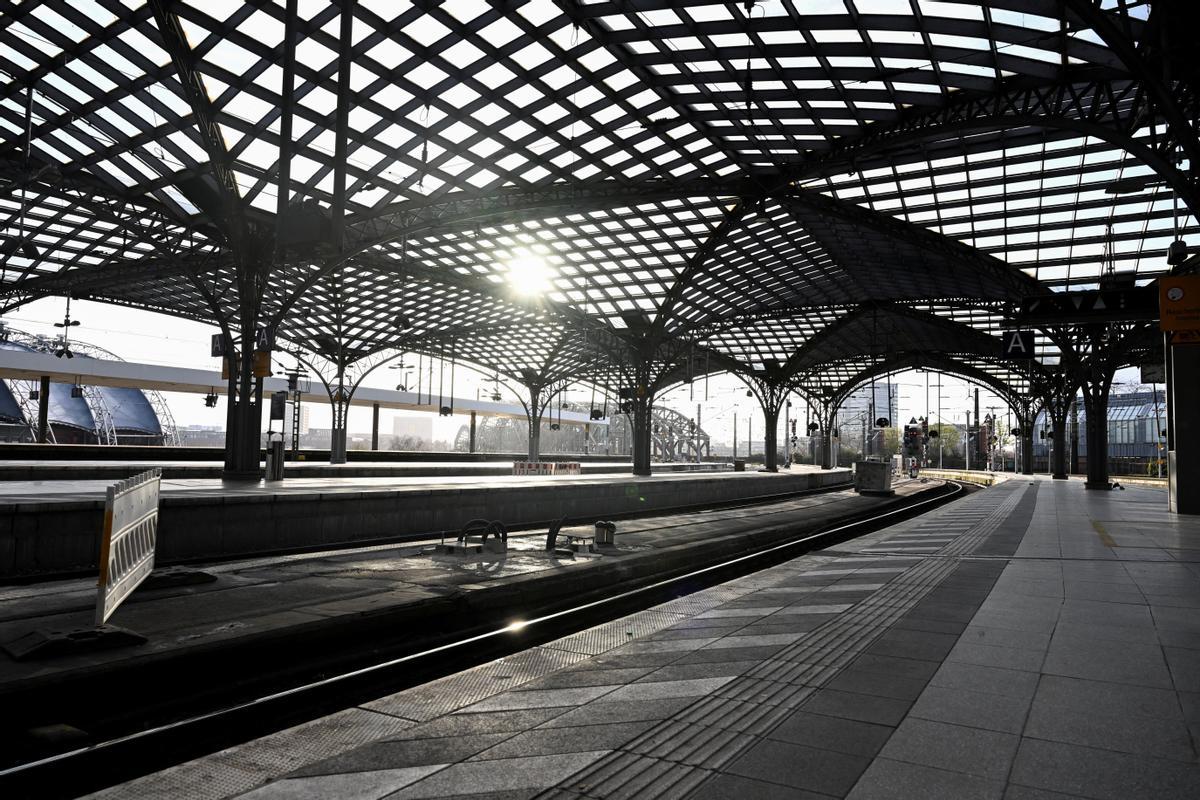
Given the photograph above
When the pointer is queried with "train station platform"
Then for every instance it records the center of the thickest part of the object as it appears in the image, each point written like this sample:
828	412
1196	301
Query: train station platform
112	470
53	527
1033	640
288	618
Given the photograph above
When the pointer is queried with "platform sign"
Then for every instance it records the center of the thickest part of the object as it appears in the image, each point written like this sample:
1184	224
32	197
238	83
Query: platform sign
1179	303
1180	338
1082	307
1018	344
128	541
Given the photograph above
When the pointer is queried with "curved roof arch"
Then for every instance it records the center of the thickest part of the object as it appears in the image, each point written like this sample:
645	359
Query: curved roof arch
699	175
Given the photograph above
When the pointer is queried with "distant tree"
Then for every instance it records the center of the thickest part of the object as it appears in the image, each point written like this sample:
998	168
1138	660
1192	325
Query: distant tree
408	442
950	436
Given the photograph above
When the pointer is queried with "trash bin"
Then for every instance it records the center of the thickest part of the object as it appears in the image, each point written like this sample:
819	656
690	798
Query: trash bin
739	465
275	460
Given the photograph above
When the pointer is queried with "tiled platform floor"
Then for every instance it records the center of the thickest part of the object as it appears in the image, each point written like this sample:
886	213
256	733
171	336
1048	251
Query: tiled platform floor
1032	641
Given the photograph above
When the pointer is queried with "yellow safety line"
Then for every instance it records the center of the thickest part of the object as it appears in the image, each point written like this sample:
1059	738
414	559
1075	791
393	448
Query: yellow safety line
1104	537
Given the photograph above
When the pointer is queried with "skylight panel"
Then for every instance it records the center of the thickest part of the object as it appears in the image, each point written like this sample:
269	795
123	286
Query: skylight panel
616	22
248	107
426	30
495	76
264	28
90	77
882	6
425	75
259	154
320	100
500	32
1022	19
313	54
1034	53
597	59
833	36
147	48
934	8
16	57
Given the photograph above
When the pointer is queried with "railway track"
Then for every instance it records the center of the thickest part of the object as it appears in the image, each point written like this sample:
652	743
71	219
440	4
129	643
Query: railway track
120	748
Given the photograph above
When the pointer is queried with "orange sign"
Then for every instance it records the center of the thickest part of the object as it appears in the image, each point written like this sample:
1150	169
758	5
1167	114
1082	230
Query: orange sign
1177	338
1179	302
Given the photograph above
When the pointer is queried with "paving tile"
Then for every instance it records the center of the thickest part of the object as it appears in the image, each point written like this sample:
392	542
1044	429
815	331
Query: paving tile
567	679
865	708
1127	614
1143	735
831	733
1001	657
1145	634
1125	718
657	690
761	640
739	611
800	767
1102	774
545	698
1005	637
1107	698
913	644
1027	793
895	665
691	633
724	787
888	780
712	654
972	751
1117	662
827	608
396	754
579	739
350	786
874	683
958	706
602	711
667	646
534	772
467	724
1018	684
1185	668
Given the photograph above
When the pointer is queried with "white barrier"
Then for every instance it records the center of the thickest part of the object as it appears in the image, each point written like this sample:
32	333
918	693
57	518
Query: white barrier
547	468
127	544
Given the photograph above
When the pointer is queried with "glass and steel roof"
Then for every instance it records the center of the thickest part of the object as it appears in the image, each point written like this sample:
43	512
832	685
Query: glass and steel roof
544	187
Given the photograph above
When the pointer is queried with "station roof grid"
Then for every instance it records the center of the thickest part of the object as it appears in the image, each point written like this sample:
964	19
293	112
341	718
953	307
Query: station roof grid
541	183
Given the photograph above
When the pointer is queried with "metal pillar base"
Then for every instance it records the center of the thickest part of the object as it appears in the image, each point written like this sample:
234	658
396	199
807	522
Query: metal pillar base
1105	486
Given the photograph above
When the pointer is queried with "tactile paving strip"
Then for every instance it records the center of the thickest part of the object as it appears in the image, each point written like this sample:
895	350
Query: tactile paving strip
453	692
679	753
603	638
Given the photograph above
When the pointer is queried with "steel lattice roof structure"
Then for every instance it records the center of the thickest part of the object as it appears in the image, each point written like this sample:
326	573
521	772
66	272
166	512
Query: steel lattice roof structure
820	190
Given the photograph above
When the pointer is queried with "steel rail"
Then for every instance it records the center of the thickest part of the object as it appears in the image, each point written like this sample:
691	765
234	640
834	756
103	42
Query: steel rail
66	761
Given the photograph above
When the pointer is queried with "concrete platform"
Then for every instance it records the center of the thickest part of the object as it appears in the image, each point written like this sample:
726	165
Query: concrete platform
288	612
1032	641
114	470
49	527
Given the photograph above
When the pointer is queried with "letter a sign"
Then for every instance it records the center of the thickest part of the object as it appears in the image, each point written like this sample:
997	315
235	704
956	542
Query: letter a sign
1018	344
